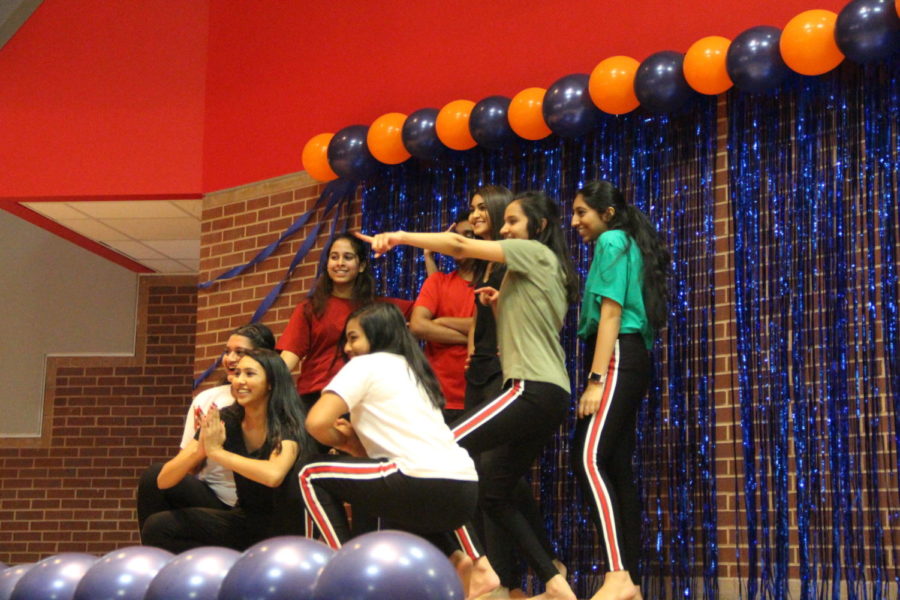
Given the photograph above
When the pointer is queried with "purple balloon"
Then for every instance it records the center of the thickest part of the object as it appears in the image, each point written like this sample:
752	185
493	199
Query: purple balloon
488	122
348	153
754	60
568	108
659	83
196	574
54	578
123	574
868	30
280	568
388	564
9	577
420	136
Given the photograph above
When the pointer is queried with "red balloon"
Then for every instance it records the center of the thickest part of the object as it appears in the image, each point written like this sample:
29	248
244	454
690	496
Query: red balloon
807	43
526	115
315	158
452	125
704	65
385	139
612	85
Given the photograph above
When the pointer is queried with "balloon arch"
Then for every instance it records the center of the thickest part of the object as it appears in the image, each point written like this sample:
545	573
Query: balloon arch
758	60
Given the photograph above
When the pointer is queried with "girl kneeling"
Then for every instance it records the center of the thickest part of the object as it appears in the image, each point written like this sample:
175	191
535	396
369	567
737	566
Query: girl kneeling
405	466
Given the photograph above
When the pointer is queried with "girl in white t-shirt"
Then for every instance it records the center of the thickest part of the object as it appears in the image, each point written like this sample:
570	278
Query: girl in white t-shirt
404	465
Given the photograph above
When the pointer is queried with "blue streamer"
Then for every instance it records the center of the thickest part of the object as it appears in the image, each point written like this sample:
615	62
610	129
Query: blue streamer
813	180
334	191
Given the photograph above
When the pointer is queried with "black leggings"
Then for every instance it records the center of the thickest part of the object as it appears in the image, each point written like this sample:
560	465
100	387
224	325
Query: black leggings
515	427
185	528
604	447
189	492
429	507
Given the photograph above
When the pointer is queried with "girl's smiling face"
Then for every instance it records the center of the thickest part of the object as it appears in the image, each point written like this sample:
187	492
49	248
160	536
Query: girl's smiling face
515	222
343	263
249	384
589	223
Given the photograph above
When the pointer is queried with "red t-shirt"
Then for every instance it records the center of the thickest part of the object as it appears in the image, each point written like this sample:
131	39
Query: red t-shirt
448	295
315	339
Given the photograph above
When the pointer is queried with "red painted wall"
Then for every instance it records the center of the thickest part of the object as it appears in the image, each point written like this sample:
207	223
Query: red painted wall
156	97
104	98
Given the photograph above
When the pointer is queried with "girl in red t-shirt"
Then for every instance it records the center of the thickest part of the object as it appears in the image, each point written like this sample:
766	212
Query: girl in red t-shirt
312	334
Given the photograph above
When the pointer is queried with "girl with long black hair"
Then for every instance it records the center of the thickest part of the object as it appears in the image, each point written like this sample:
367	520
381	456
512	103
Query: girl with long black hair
261	439
402	463
624	305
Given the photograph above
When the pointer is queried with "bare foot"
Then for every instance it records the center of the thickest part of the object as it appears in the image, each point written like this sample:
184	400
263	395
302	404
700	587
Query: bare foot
463	565
556	589
483	580
617	585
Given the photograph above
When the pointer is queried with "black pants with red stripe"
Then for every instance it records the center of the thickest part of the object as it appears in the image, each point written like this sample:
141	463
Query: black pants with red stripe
429	507
603	451
515	426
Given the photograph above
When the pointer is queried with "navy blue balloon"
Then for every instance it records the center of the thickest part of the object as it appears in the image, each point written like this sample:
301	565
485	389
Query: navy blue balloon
280	568
489	124
123	574
659	83
388	564
54	578
196	574
868	30
9	577
754	60
420	136
568	108
348	153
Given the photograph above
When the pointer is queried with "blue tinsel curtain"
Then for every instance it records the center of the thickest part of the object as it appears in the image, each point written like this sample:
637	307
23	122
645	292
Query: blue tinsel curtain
813	185
666	165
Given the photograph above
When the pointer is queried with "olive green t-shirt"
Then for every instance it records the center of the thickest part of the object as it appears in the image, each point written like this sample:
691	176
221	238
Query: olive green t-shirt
616	273
530	314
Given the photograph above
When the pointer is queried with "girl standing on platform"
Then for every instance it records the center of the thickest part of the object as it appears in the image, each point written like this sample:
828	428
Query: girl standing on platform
624	304
311	336
260	439
532	301
404	465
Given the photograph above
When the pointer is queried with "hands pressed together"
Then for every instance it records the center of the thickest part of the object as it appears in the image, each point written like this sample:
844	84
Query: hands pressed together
212	431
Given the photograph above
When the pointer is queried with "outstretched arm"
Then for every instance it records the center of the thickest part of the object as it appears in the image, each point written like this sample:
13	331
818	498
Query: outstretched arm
451	244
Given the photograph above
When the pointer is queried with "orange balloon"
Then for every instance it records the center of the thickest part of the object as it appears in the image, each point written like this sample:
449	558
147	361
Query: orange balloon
526	116
704	65
315	157
807	43
452	125
385	139
611	85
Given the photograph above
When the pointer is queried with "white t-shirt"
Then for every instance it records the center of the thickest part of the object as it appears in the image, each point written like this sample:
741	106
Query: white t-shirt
394	418
218	478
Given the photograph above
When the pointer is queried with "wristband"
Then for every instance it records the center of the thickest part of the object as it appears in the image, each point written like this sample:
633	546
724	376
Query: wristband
596	377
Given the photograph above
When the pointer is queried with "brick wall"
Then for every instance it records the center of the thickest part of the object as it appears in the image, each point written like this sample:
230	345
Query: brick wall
106	419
